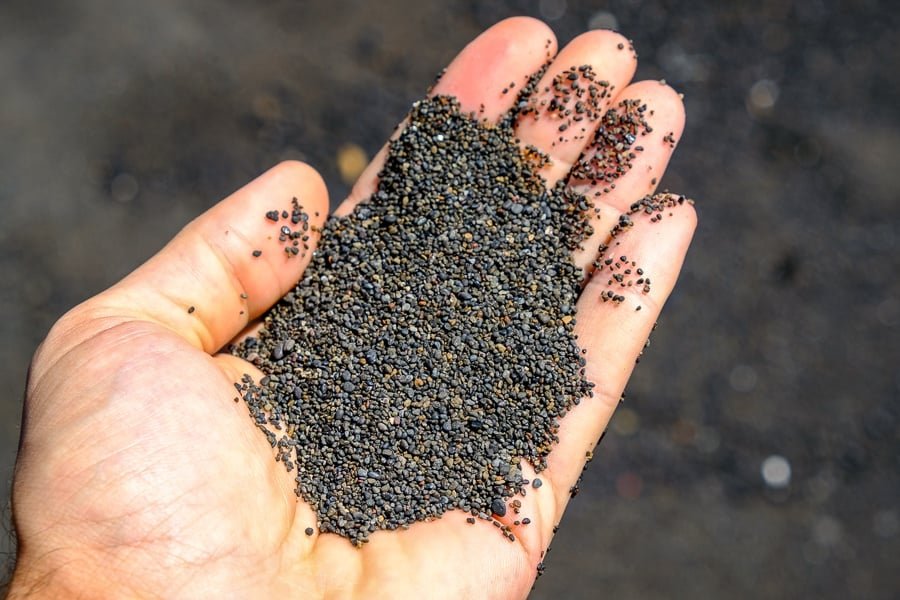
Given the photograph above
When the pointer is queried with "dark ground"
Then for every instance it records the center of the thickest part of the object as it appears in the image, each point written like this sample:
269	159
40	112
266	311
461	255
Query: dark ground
120	121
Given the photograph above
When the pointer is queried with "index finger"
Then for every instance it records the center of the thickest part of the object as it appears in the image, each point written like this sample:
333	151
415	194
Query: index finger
485	77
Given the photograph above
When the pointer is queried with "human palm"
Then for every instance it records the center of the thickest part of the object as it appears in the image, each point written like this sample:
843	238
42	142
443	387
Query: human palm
139	475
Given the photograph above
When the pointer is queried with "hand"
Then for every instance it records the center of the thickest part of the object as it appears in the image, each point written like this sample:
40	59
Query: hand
138	474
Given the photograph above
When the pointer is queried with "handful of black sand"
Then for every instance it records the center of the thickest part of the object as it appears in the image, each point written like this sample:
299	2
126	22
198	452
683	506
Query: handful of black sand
429	348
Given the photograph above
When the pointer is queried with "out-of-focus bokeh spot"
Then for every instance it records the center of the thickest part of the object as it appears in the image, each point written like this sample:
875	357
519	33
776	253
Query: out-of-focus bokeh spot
351	160
776	471
626	421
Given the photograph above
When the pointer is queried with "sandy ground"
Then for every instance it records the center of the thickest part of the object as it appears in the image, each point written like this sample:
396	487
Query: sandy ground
120	121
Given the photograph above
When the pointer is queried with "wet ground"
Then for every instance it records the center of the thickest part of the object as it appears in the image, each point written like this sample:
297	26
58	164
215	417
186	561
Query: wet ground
120	121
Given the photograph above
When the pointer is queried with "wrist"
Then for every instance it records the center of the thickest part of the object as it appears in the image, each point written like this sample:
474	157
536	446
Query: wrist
30	581
59	574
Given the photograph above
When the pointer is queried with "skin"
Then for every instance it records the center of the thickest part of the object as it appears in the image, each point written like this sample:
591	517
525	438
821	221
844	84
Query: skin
139	476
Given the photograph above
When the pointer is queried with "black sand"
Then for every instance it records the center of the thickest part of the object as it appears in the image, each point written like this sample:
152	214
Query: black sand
429	347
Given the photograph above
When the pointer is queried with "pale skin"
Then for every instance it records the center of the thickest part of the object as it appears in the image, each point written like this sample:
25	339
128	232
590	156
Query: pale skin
139	476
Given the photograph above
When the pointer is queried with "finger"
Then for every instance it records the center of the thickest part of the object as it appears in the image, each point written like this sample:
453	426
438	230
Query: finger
228	265
501	58
627	159
572	96
613	332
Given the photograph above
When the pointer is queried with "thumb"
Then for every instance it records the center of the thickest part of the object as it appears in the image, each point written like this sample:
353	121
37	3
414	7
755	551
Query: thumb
231	263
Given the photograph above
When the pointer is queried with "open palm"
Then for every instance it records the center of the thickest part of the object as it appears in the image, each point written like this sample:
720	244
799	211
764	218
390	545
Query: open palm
140	476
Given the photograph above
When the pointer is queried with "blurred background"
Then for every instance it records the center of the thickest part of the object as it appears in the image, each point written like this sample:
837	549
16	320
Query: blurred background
757	454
